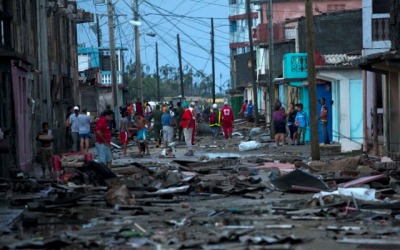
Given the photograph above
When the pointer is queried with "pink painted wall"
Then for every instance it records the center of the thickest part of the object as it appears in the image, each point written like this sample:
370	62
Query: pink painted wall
19	81
290	10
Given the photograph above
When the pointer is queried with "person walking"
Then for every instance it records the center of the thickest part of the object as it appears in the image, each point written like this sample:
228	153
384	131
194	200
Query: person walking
323	116
250	111
187	126
227	120
142	137
157	125
215	120
73	121
243	109
301	122
291	116
167	129
279	121
84	122
103	137
124	132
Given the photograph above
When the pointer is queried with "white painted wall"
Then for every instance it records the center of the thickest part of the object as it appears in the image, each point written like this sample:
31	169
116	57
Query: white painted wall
342	96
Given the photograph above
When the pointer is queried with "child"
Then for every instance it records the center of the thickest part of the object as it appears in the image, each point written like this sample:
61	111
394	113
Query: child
302	122
124	132
45	139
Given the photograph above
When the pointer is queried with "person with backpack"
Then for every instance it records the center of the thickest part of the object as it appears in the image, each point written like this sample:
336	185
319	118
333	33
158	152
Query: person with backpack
215	120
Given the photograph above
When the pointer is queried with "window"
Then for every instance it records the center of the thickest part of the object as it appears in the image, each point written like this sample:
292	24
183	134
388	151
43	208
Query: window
232	1
5	27
233	26
380	6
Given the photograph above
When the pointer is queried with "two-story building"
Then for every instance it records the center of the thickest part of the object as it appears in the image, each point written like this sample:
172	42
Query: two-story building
381	79
95	84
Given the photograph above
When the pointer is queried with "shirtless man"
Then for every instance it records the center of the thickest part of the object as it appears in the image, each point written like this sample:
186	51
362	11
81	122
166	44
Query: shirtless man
141	140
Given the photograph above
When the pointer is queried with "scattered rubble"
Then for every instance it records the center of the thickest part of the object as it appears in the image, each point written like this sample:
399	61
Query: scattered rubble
262	198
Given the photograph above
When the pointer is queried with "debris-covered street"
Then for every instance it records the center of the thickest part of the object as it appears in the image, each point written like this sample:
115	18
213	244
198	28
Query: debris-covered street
244	193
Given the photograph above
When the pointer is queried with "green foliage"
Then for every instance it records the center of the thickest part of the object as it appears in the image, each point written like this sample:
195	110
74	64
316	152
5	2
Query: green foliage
195	83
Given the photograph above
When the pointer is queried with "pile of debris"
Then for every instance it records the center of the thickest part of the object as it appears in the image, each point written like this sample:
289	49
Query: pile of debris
210	203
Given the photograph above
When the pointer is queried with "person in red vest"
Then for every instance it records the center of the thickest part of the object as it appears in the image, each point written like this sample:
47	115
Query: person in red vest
227	120
187	124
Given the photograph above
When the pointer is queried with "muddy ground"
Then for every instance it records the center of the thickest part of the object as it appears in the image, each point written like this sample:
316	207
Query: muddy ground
221	198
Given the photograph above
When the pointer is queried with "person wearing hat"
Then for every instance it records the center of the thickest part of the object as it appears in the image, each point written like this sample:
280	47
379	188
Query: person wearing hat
187	126
73	121
215	120
227	120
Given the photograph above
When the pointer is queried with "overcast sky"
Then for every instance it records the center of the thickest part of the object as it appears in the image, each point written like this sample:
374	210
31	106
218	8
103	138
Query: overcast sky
191	19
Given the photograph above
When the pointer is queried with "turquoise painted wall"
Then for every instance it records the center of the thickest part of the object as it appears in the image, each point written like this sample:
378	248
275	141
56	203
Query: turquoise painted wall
356	114
295	65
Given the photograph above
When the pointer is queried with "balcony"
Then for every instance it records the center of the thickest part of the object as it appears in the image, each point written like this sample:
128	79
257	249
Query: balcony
261	33
380	29
106	77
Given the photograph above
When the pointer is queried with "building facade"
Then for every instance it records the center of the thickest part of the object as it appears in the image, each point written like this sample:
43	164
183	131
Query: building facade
38	73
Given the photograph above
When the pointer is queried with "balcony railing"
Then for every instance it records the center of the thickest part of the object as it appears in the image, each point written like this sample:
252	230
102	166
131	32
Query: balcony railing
106	78
380	29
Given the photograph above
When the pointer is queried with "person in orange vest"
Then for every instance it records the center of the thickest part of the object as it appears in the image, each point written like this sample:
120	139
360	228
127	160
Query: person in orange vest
227	120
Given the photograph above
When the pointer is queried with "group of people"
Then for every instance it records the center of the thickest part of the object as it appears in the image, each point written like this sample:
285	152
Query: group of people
297	121
247	110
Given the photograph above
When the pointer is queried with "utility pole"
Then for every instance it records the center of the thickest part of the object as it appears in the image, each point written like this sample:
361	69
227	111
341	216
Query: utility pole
45	95
110	11
271	92
315	153
252	59
99	41
98	31
137	52
157	75
180	67
213	59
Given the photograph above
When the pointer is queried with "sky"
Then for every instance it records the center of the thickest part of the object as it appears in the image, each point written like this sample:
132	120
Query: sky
191	19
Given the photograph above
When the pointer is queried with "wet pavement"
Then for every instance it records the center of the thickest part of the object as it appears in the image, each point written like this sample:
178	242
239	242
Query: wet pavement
266	197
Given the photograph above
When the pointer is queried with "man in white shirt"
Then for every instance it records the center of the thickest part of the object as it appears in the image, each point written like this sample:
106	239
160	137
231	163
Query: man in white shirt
73	121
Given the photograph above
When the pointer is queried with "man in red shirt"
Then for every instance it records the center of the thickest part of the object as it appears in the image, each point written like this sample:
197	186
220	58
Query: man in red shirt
139	107
187	124
227	120
243	109
103	138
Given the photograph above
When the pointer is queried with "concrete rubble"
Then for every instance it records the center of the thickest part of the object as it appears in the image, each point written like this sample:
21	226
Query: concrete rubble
260	198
